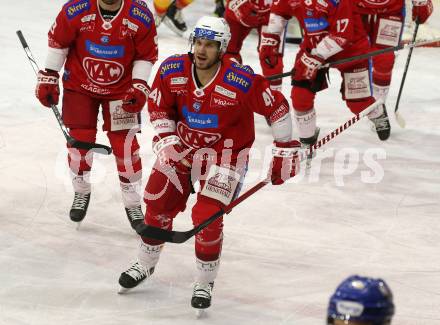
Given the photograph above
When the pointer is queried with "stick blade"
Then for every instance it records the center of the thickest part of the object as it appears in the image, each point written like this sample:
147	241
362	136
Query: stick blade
95	147
176	237
400	120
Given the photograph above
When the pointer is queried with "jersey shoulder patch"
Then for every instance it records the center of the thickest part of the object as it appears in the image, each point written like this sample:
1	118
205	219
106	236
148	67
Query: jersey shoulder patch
74	8
141	13
238	76
172	65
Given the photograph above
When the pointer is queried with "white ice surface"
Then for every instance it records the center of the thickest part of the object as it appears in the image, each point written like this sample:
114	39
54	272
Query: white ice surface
285	249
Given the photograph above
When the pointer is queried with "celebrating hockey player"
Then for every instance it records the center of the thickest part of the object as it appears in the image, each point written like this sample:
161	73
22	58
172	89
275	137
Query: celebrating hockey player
361	300
272	38
383	20
332	31
243	16
107	48
201	106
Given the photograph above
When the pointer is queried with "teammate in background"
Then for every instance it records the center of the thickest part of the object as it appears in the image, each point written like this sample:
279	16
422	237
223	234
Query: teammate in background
332	31
384	21
243	16
219	8
107	48
202	107
361	300
170	12
272	39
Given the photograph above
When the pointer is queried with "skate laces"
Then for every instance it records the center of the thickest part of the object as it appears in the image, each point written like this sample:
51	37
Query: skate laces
135	213
381	123
202	290
80	201
136	271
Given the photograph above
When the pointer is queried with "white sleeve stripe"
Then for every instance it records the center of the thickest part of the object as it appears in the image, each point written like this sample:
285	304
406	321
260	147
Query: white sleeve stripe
327	47
142	70
55	58
282	129
276	24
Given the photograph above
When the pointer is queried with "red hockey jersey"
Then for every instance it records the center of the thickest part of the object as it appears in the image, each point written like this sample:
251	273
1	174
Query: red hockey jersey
334	19
101	53
372	7
221	111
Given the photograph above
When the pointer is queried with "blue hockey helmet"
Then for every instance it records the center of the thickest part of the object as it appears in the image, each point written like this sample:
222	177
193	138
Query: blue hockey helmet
362	299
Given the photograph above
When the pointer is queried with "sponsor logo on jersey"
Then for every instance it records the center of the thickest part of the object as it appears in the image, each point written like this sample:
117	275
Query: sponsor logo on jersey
200	121
103	72
316	24
104	51
169	67
95	89
141	3
225	92
237	80
244	68
196	139
141	15
130	25
77	8
177	81
88	18
220	101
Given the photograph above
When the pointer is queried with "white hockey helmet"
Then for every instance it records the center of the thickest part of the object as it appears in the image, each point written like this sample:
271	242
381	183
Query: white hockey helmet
212	28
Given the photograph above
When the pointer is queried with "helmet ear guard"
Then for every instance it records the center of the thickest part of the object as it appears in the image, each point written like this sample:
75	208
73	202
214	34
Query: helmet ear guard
212	28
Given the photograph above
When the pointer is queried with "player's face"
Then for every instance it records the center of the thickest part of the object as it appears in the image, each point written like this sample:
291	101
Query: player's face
346	322
206	53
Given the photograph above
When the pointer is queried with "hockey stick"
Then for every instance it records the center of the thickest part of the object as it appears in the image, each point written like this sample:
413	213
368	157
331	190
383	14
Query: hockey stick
182	236
367	55
400	120
95	147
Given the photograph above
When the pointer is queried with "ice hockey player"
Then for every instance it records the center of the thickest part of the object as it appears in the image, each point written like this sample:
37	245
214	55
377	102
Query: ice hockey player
384	23
361	300
243	16
201	106
272	38
332	31
170	12
107	48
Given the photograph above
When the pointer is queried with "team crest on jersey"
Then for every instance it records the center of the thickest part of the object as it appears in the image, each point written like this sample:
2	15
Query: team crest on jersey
141	15
77	8
225	92
169	67
103	72
237	80
105	51
196	139
316	24
200	121
197	106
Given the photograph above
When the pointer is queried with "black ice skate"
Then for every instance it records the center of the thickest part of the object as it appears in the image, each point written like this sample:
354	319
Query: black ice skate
201	298
173	19
79	207
382	125
307	143
135	216
133	276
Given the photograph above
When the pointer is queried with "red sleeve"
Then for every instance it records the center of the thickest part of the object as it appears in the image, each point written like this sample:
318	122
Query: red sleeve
162	103
62	33
262	100
285	8
146	44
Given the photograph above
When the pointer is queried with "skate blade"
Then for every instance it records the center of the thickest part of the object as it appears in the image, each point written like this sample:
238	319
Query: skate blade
78	225
122	290
400	120
200	313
